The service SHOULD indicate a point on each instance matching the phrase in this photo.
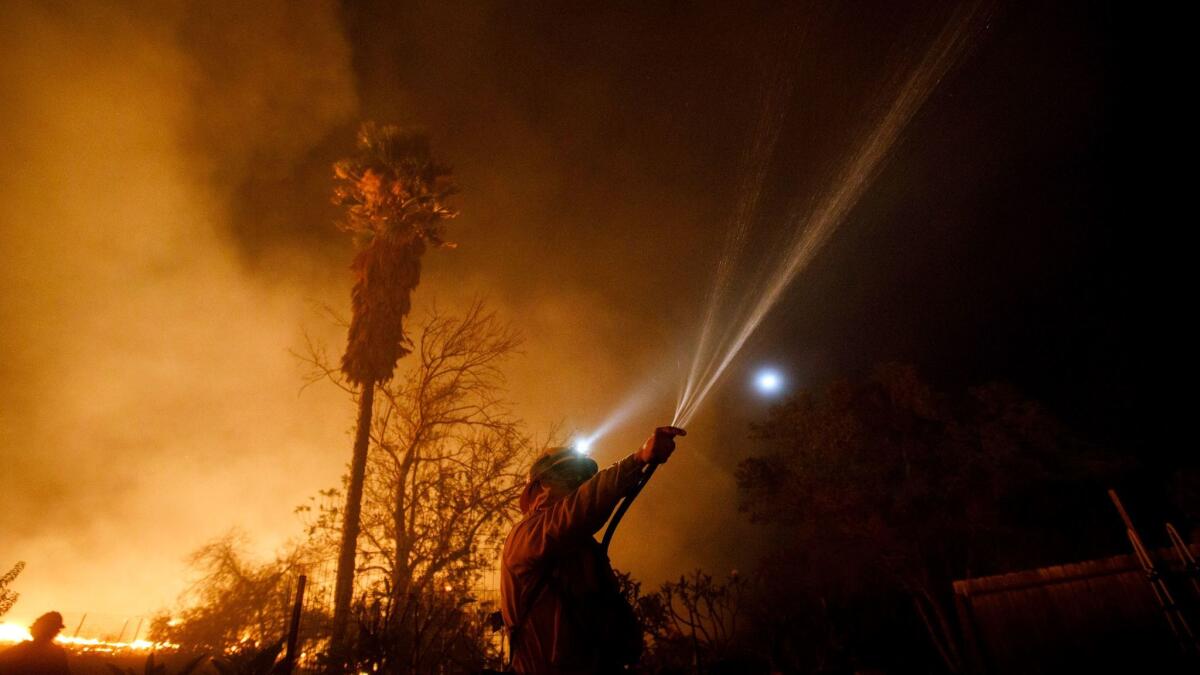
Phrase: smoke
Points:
(155, 269)
(147, 398)
(165, 228)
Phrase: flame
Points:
(12, 633)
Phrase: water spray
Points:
(755, 162)
(813, 228)
(723, 334)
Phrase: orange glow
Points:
(12, 633)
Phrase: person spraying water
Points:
(559, 595)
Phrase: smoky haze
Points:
(148, 399)
(166, 236)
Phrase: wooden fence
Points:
(1096, 616)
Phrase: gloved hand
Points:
(658, 448)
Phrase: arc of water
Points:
(756, 161)
(813, 231)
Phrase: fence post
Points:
(1162, 593)
(289, 658)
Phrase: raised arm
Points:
(583, 512)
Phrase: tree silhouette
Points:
(8, 597)
(447, 463)
(886, 486)
(696, 624)
(395, 196)
(237, 604)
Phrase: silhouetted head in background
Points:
(39, 656)
(46, 627)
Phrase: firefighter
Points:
(39, 656)
(559, 595)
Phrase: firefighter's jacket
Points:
(562, 633)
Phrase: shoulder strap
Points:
(527, 609)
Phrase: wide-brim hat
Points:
(50, 620)
(551, 460)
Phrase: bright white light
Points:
(768, 381)
(582, 445)
(11, 632)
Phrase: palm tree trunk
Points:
(344, 588)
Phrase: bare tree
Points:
(704, 613)
(237, 604)
(886, 486)
(447, 462)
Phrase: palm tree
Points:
(9, 597)
(395, 196)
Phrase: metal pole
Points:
(1171, 611)
(1185, 557)
(1175, 620)
(1112, 494)
(289, 659)
(81, 620)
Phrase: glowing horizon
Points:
(14, 633)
